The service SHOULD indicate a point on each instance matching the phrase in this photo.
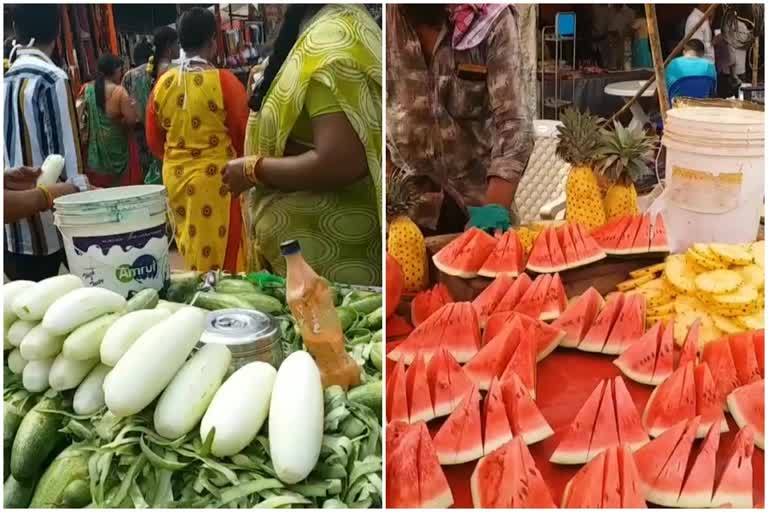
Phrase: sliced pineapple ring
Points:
(708, 261)
(754, 321)
(719, 281)
(753, 275)
(757, 249)
(679, 273)
(726, 324)
(732, 254)
(743, 296)
(634, 283)
(651, 270)
(662, 309)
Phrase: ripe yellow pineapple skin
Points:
(405, 243)
(583, 202)
(620, 200)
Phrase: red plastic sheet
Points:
(564, 381)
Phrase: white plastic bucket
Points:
(714, 175)
(117, 238)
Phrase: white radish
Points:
(126, 330)
(149, 365)
(79, 307)
(35, 375)
(32, 303)
(10, 292)
(40, 344)
(18, 330)
(51, 170)
(16, 363)
(296, 418)
(89, 396)
(185, 400)
(68, 374)
(85, 341)
(239, 408)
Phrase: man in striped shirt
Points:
(39, 120)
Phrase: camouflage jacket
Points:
(455, 133)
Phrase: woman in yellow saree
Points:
(314, 140)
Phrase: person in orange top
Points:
(195, 122)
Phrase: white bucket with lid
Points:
(714, 175)
(117, 238)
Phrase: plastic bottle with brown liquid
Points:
(311, 303)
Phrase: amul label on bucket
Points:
(122, 262)
(705, 192)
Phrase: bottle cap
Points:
(290, 247)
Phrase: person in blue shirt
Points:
(692, 63)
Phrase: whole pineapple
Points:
(405, 242)
(624, 156)
(579, 141)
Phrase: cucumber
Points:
(80, 307)
(213, 301)
(262, 302)
(65, 483)
(374, 318)
(183, 287)
(12, 417)
(347, 317)
(37, 437)
(145, 299)
(354, 296)
(40, 344)
(85, 341)
(377, 337)
(376, 355)
(18, 330)
(368, 395)
(16, 363)
(17, 494)
(35, 375)
(68, 374)
(235, 286)
(89, 396)
(366, 305)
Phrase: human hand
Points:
(234, 177)
(62, 189)
(21, 178)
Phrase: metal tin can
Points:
(250, 335)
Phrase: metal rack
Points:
(564, 30)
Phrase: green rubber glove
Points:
(489, 218)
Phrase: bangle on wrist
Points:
(250, 168)
(47, 195)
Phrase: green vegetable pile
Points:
(58, 459)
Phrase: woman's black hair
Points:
(36, 21)
(196, 27)
(141, 52)
(164, 38)
(106, 65)
(286, 38)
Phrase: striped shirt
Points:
(39, 120)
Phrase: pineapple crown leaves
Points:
(624, 153)
(579, 136)
(401, 196)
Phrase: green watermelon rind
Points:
(740, 410)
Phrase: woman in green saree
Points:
(314, 137)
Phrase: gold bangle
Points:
(47, 195)
(249, 169)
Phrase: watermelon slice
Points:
(452, 251)
(496, 429)
(758, 339)
(626, 241)
(743, 350)
(394, 289)
(532, 491)
(547, 337)
(629, 326)
(605, 433)
(659, 235)
(532, 302)
(427, 337)
(628, 423)
(425, 303)
(568, 246)
(747, 406)
(672, 401)
(524, 417)
(489, 298)
(707, 405)
(417, 391)
(555, 251)
(460, 438)
(397, 327)
(734, 486)
(691, 351)
(591, 251)
(434, 491)
(666, 487)
(514, 294)
(397, 396)
(555, 300)
(523, 362)
(540, 260)
(585, 489)
(403, 477)
(574, 443)
(462, 333)
(445, 394)
(508, 257)
(651, 458)
(466, 261)
(611, 479)
(717, 355)
(643, 236)
(609, 235)
(494, 356)
(597, 335)
(577, 318)
(631, 492)
(666, 353)
(700, 478)
(639, 360)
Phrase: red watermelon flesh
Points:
(638, 361)
(743, 350)
(494, 356)
(460, 383)
(628, 423)
(397, 396)
(578, 244)
(489, 298)
(758, 339)
(609, 235)
(605, 434)
(460, 438)
(452, 251)
(700, 477)
(584, 490)
(626, 241)
(394, 284)
(468, 259)
(574, 443)
(747, 406)
(666, 488)
(440, 383)
(488, 483)
(691, 352)
(496, 429)
(666, 354)
(673, 400)
(707, 405)
(651, 458)
(631, 493)
(425, 337)
(643, 237)
(532, 491)
(597, 335)
(568, 246)
(659, 235)
(717, 355)
(397, 327)
(403, 477)
(611, 479)
(532, 302)
(555, 251)
(524, 417)
(462, 332)
(593, 252)
(629, 325)
(434, 490)
(508, 257)
(425, 303)
(555, 300)
(578, 317)
(735, 483)
(417, 391)
(523, 361)
(547, 337)
(539, 260)
(514, 294)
